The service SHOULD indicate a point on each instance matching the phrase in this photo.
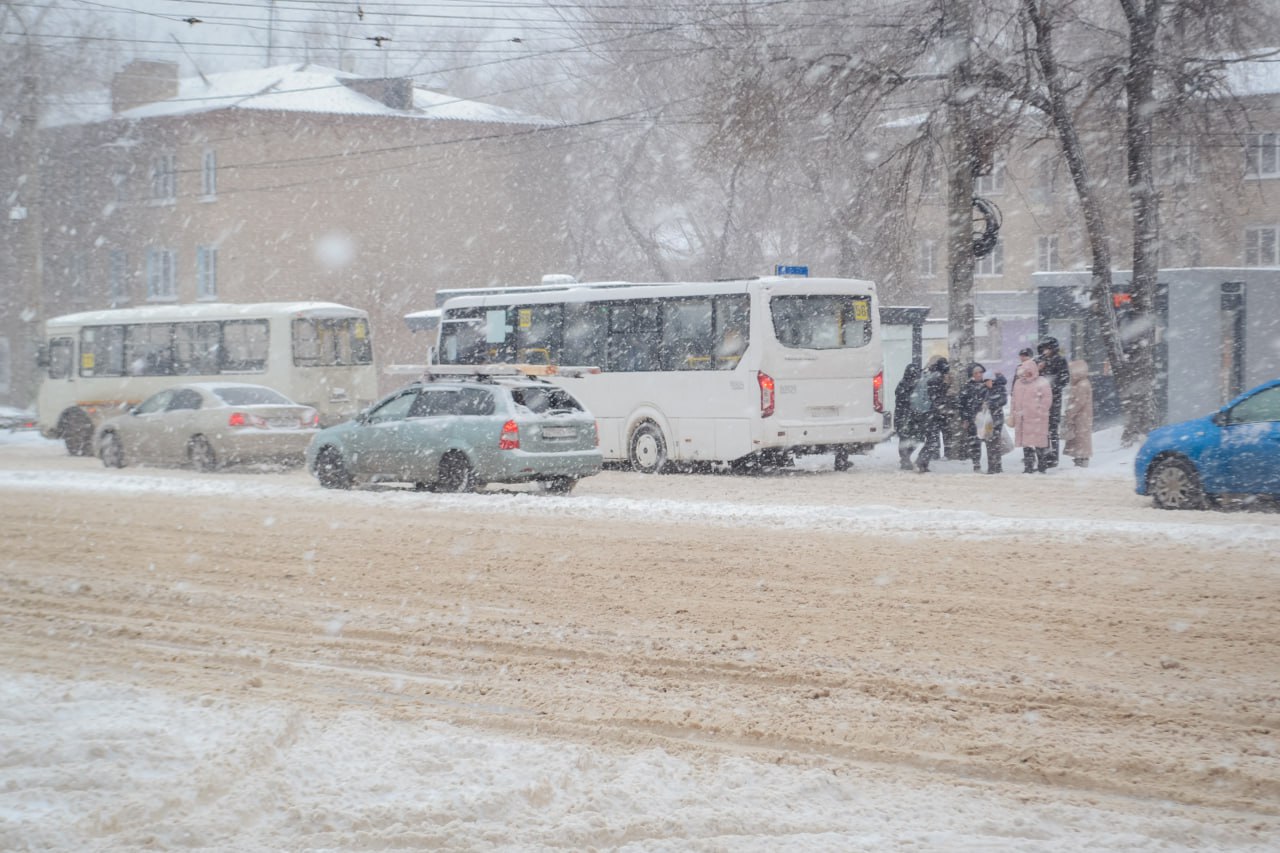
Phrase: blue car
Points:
(1235, 451)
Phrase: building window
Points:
(164, 185)
(118, 277)
(1177, 163)
(928, 258)
(162, 267)
(992, 264)
(991, 183)
(1047, 259)
(1045, 179)
(1260, 247)
(206, 272)
(1262, 155)
(209, 175)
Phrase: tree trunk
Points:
(1129, 373)
(1138, 382)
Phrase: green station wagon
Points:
(458, 433)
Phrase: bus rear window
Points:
(822, 321)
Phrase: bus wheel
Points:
(648, 449)
(330, 471)
(111, 451)
(842, 458)
(201, 454)
(77, 433)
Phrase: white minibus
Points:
(99, 363)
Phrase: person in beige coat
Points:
(1078, 418)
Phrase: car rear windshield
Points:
(545, 400)
(242, 396)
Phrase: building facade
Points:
(289, 183)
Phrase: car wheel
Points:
(648, 449)
(111, 451)
(1174, 484)
(842, 458)
(77, 433)
(455, 474)
(330, 471)
(201, 454)
(559, 485)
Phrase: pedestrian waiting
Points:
(1031, 401)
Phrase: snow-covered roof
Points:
(301, 87)
(189, 311)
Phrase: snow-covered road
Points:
(869, 660)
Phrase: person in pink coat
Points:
(1029, 406)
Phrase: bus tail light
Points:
(877, 391)
(766, 393)
(510, 438)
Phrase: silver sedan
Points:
(208, 425)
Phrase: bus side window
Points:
(61, 351)
(586, 328)
(148, 349)
(687, 336)
(635, 335)
(538, 330)
(244, 346)
(102, 351)
(732, 329)
(195, 348)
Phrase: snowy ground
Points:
(224, 669)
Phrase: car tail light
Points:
(312, 420)
(240, 419)
(877, 391)
(510, 438)
(766, 393)
(596, 424)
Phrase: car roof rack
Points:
(488, 372)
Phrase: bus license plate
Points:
(824, 411)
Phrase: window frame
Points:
(1259, 147)
(162, 275)
(1253, 247)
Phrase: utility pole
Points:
(271, 32)
(964, 165)
(26, 215)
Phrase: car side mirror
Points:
(1220, 418)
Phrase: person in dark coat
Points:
(1053, 367)
(997, 397)
(973, 399)
(906, 422)
(935, 420)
